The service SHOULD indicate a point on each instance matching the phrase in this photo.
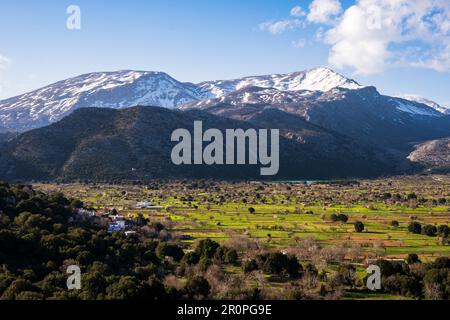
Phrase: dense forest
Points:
(39, 240)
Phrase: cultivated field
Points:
(285, 214)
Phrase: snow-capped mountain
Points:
(319, 79)
(363, 114)
(125, 89)
(255, 96)
(116, 90)
(422, 100)
(294, 101)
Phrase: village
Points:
(113, 221)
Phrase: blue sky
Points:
(196, 40)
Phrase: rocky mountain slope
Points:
(134, 144)
(116, 90)
(434, 155)
(432, 104)
(362, 114)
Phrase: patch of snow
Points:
(416, 109)
(422, 100)
(319, 79)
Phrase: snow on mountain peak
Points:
(318, 79)
(422, 100)
(127, 88)
(117, 90)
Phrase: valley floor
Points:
(285, 215)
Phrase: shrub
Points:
(443, 231)
(334, 217)
(429, 230)
(359, 226)
(198, 288)
(278, 263)
(231, 257)
(415, 227)
(250, 266)
(207, 248)
(169, 250)
(191, 258)
(395, 224)
(413, 258)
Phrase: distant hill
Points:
(434, 155)
(134, 144)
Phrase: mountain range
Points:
(331, 126)
(125, 89)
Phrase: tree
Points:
(126, 288)
(429, 230)
(293, 267)
(343, 218)
(415, 227)
(197, 288)
(346, 276)
(231, 257)
(395, 224)
(29, 295)
(359, 226)
(17, 286)
(94, 283)
(274, 263)
(250, 266)
(252, 210)
(413, 258)
(435, 284)
(403, 285)
(412, 196)
(153, 289)
(207, 248)
(443, 231)
(278, 263)
(77, 204)
(387, 268)
(191, 258)
(169, 250)
(442, 263)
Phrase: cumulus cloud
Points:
(295, 21)
(277, 27)
(324, 11)
(298, 12)
(373, 35)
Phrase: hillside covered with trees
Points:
(39, 240)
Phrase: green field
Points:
(285, 214)
(297, 219)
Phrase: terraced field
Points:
(283, 214)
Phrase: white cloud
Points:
(277, 27)
(298, 12)
(374, 35)
(4, 62)
(323, 11)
